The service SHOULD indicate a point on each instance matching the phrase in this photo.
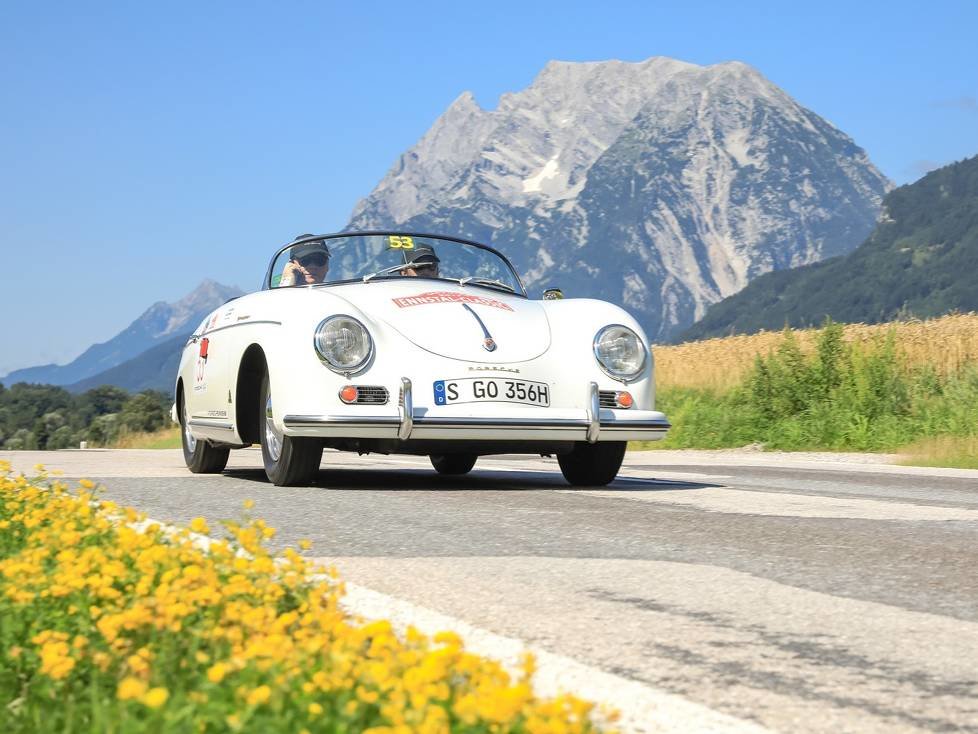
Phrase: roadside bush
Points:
(22, 440)
(99, 416)
(843, 396)
(62, 438)
(104, 429)
(143, 413)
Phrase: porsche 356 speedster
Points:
(402, 343)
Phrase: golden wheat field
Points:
(947, 344)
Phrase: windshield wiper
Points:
(487, 281)
(388, 271)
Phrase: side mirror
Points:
(553, 294)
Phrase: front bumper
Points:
(593, 424)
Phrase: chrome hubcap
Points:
(188, 436)
(273, 440)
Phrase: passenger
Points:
(308, 263)
(424, 262)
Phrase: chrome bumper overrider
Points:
(597, 424)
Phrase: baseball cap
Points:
(309, 247)
(424, 254)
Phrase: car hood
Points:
(452, 320)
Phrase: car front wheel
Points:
(592, 464)
(289, 461)
(453, 464)
(200, 456)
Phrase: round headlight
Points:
(343, 343)
(619, 351)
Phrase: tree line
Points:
(49, 417)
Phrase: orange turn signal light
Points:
(349, 394)
(624, 399)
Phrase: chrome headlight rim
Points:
(624, 378)
(339, 369)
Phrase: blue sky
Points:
(146, 146)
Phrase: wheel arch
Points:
(247, 410)
(178, 400)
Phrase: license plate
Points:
(491, 390)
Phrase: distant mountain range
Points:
(661, 186)
(145, 341)
(921, 260)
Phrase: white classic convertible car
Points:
(403, 343)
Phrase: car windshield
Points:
(376, 257)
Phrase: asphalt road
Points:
(808, 593)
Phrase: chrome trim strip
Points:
(232, 326)
(406, 409)
(199, 423)
(298, 421)
(639, 425)
(488, 343)
(593, 413)
(572, 423)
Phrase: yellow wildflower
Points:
(315, 709)
(137, 664)
(259, 696)
(55, 661)
(216, 673)
(155, 697)
(130, 688)
(199, 525)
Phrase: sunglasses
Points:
(317, 260)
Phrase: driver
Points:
(308, 263)
(424, 263)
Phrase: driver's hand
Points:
(294, 274)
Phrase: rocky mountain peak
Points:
(695, 179)
(204, 298)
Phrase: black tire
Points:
(289, 461)
(453, 464)
(592, 464)
(200, 456)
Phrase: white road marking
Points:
(643, 709)
(745, 502)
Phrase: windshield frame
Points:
(267, 284)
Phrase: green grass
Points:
(165, 438)
(947, 451)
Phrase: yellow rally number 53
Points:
(401, 243)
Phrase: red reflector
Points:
(349, 394)
(624, 399)
(204, 343)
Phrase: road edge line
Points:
(643, 709)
